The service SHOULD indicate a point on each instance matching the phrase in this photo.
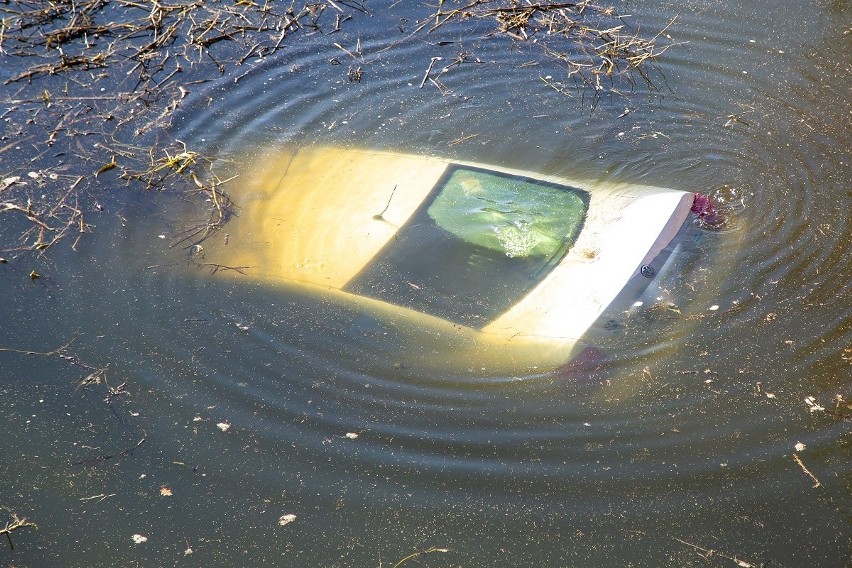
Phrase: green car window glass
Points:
(515, 216)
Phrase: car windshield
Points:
(478, 244)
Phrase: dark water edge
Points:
(678, 440)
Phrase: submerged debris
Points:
(593, 42)
(13, 523)
(119, 70)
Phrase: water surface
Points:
(256, 401)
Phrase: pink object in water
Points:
(585, 367)
(701, 205)
(705, 209)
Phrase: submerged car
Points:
(494, 256)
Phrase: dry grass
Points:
(593, 42)
(116, 71)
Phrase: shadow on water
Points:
(234, 422)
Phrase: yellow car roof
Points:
(350, 222)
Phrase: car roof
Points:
(353, 222)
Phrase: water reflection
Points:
(688, 433)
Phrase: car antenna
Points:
(381, 216)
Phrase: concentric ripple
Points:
(725, 128)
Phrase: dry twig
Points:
(798, 460)
(709, 553)
(13, 523)
(419, 553)
(591, 40)
(67, 57)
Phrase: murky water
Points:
(257, 401)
